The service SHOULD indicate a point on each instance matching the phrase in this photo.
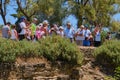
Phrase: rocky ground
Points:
(41, 69)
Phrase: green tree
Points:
(28, 8)
(94, 11)
(88, 11)
(115, 26)
(51, 10)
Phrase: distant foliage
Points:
(109, 53)
(52, 48)
(103, 36)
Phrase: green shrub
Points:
(53, 48)
(28, 49)
(108, 54)
(109, 78)
(8, 50)
(57, 48)
(117, 73)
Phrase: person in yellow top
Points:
(33, 28)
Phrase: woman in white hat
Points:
(45, 27)
(61, 31)
(80, 35)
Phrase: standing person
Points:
(14, 34)
(39, 33)
(53, 30)
(56, 28)
(28, 31)
(69, 32)
(61, 31)
(87, 31)
(108, 37)
(23, 29)
(45, 28)
(97, 33)
(6, 30)
(33, 28)
(28, 34)
(80, 35)
(91, 39)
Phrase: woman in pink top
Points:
(39, 33)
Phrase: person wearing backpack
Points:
(23, 27)
(18, 28)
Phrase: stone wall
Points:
(41, 69)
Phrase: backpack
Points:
(18, 27)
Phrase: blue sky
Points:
(117, 17)
(10, 10)
(72, 19)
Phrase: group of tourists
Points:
(33, 32)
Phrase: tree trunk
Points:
(80, 20)
(21, 9)
(3, 14)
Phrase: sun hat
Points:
(61, 27)
(82, 26)
(45, 22)
(68, 23)
(40, 24)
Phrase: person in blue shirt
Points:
(69, 32)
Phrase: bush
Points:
(53, 48)
(109, 78)
(57, 48)
(8, 50)
(28, 49)
(108, 54)
(117, 73)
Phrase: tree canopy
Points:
(86, 11)
(94, 11)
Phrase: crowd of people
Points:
(33, 32)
